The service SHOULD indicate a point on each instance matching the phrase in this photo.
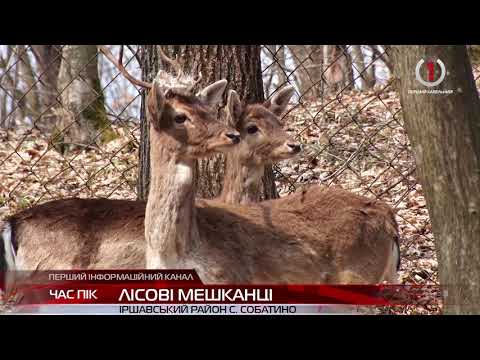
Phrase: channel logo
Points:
(433, 78)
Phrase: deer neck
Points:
(242, 181)
(170, 226)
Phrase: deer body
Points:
(279, 241)
(72, 233)
(316, 236)
(81, 234)
(320, 235)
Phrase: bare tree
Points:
(383, 55)
(6, 83)
(29, 101)
(369, 70)
(338, 70)
(445, 134)
(83, 109)
(308, 60)
(241, 66)
(316, 68)
(359, 65)
(13, 105)
(48, 62)
(29, 79)
(276, 67)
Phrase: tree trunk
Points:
(348, 80)
(338, 72)
(300, 59)
(327, 69)
(240, 65)
(281, 66)
(382, 55)
(444, 130)
(359, 64)
(474, 54)
(83, 116)
(11, 92)
(276, 55)
(30, 100)
(308, 60)
(11, 79)
(316, 69)
(48, 60)
(370, 79)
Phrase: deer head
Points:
(184, 122)
(187, 123)
(261, 129)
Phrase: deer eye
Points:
(169, 94)
(252, 129)
(180, 118)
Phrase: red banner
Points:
(185, 287)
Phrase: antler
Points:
(174, 63)
(192, 87)
(118, 64)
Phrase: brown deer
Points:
(317, 236)
(65, 234)
(264, 141)
(269, 142)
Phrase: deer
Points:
(316, 236)
(246, 163)
(302, 238)
(275, 144)
(264, 141)
(29, 239)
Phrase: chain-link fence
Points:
(69, 126)
(348, 115)
(47, 151)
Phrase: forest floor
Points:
(355, 140)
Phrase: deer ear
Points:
(213, 93)
(155, 104)
(234, 108)
(279, 102)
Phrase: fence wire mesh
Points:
(45, 152)
(69, 126)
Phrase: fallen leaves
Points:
(31, 171)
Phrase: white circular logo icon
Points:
(431, 73)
